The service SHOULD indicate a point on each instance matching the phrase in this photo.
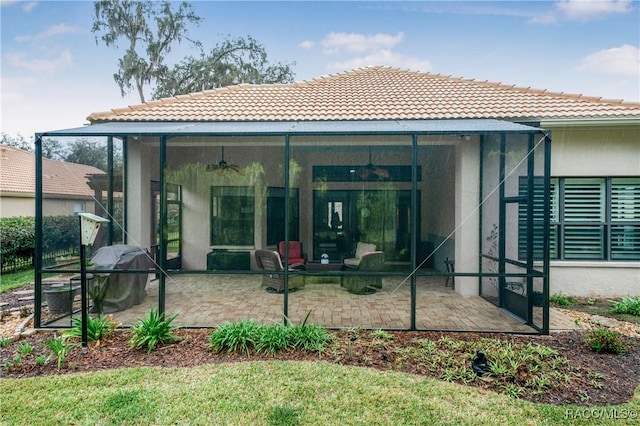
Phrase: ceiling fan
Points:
(369, 170)
(223, 167)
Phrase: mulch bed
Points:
(619, 374)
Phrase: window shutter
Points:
(584, 217)
(625, 219)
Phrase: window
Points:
(591, 219)
(78, 207)
(232, 216)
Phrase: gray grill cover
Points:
(123, 290)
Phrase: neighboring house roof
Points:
(17, 175)
(375, 93)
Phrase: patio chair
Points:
(296, 254)
(361, 249)
(273, 280)
(451, 269)
(365, 284)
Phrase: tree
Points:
(234, 61)
(53, 149)
(83, 151)
(151, 28)
(16, 141)
(92, 153)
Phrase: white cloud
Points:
(49, 32)
(584, 10)
(382, 57)
(28, 6)
(19, 60)
(581, 10)
(307, 44)
(359, 43)
(623, 60)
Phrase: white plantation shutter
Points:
(625, 218)
(584, 217)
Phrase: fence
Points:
(19, 263)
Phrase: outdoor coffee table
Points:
(318, 269)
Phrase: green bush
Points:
(628, 305)
(562, 300)
(239, 336)
(17, 237)
(60, 348)
(153, 330)
(247, 336)
(603, 340)
(97, 328)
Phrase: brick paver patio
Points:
(209, 300)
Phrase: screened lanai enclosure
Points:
(416, 225)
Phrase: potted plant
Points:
(60, 298)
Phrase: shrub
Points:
(628, 305)
(235, 336)
(603, 340)
(310, 337)
(59, 348)
(153, 330)
(97, 327)
(272, 339)
(25, 348)
(247, 336)
(562, 300)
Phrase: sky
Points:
(54, 74)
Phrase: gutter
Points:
(589, 122)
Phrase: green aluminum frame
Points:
(125, 130)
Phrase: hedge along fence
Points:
(17, 240)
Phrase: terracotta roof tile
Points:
(375, 93)
(17, 174)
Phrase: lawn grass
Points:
(276, 392)
(15, 280)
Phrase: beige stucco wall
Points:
(25, 206)
(17, 206)
(466, 215)
(598, 152)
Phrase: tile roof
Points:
(17, 174)
(373, 93)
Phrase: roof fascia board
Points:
(292, 128)
(590, 122)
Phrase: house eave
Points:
(590, 122)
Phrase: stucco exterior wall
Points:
(597, 152)
(466, 215)
(17, 206)
(592, 279)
